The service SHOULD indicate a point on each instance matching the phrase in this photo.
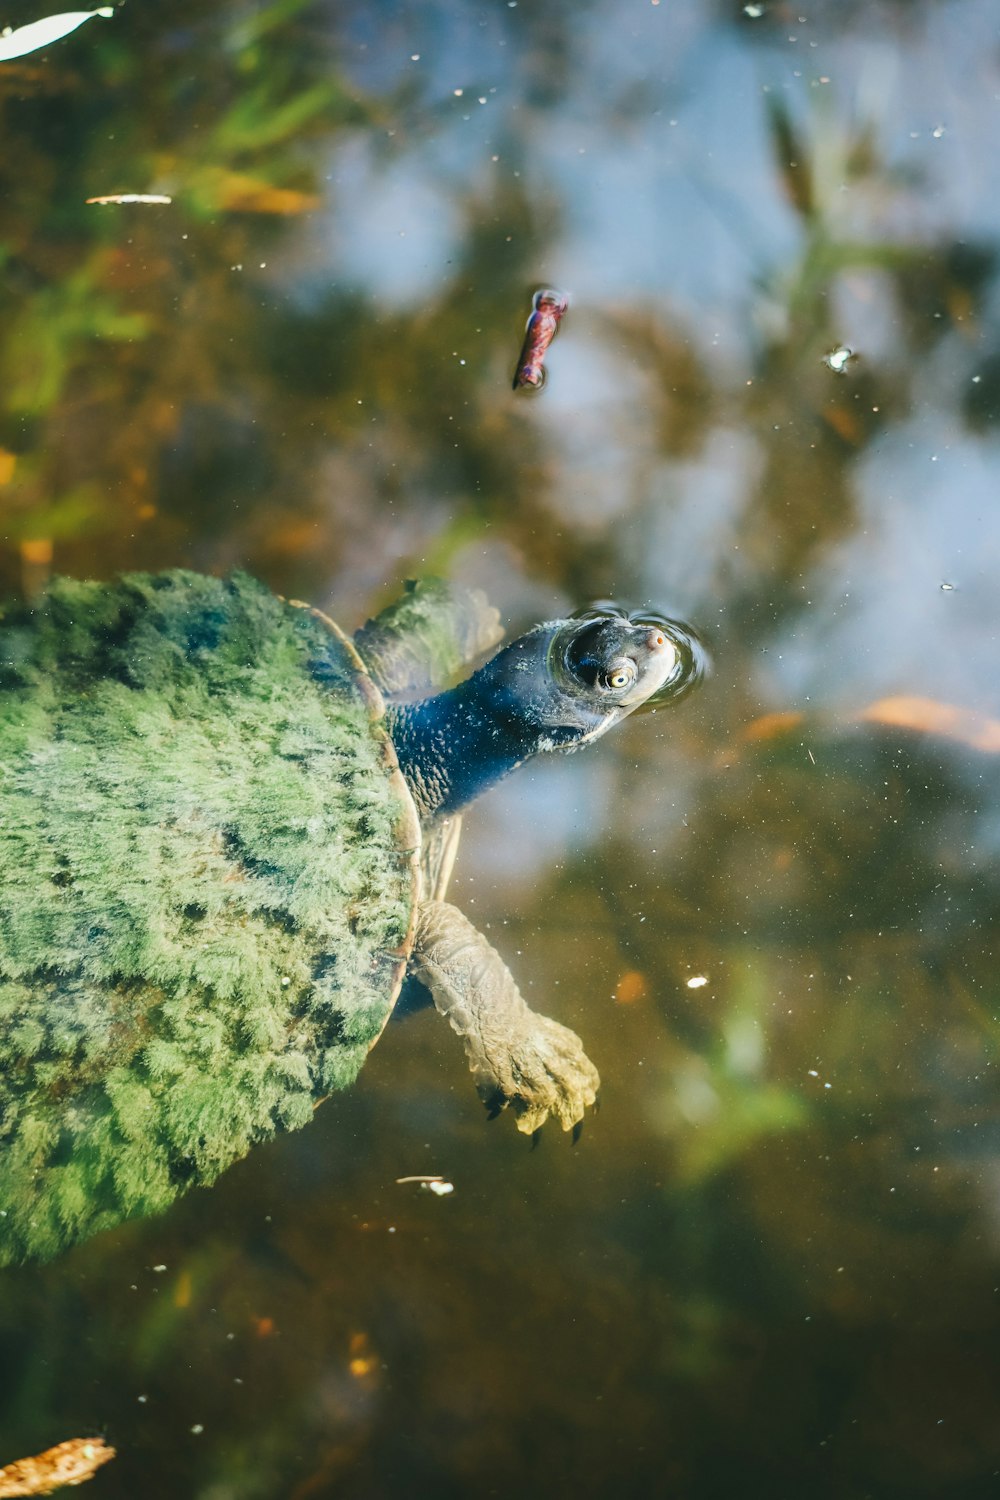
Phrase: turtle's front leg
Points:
(517, 1057)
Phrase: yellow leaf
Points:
(67, 1463)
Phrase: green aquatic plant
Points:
(54, 330)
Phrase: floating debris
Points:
(72, 1462)
(838, 359)
(132, 198)
(430, 1183)
(696, 981)
(548, 306)
(753, 11)
(40, 33)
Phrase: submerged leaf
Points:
(40, 33)
(238, 192)
(631, 987)
(770, 726)
(963, 724)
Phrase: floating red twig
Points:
(548, 307)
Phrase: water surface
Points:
(771, 1264)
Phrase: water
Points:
(770, 1266)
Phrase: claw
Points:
(495, 1102)
(577, 1132)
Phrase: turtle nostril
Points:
(656, 640)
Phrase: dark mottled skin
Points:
(453, 746)
(556, 688)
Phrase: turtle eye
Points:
(621, 675)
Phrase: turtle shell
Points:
(209, 866)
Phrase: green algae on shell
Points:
(209, 876)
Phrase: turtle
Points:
(226, 833)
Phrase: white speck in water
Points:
(158, 1269)
(946, 588)
(458, 93)
(838, 359)
(753, 11)
(937, 132)
(813, 1073)
(197, 1429)
(696, 982)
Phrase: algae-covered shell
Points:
(208, 878)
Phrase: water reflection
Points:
(741, 1276)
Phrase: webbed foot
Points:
(541, 1072)
(520, 1060)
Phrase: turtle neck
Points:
(455, 745)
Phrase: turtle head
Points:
(599, 666)
(610, 662)
(559, 687)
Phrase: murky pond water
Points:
(770, 1265)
